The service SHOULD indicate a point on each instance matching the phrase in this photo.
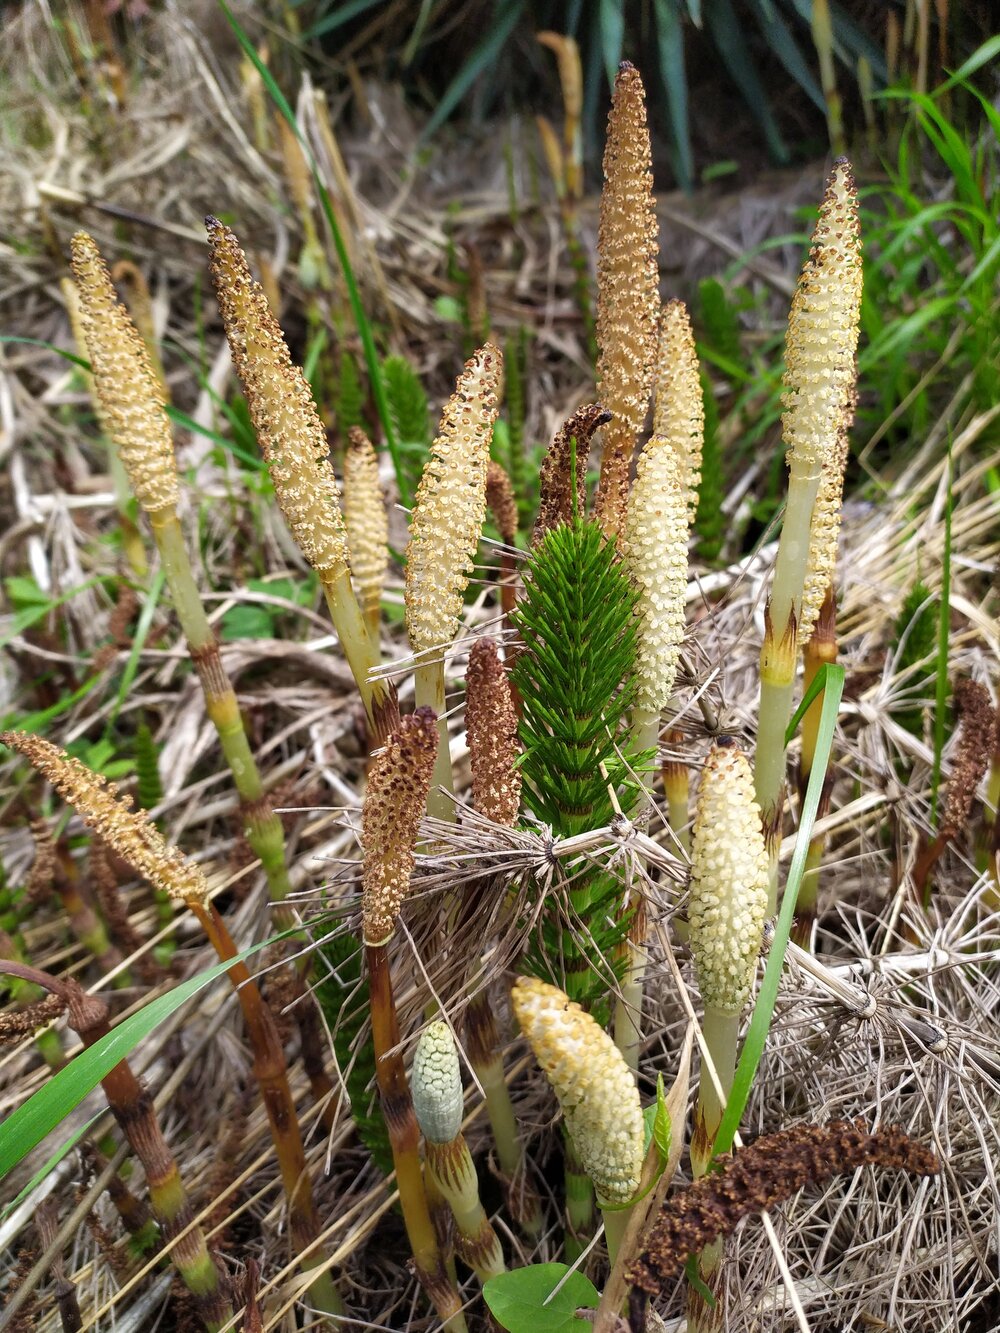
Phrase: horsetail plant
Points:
(367, 525)
(820, 376)
(491, 728)
(398, 784)
(729, 878)
(628, 304)
(438, 1103)
(594, 1087)
(134, 415)
(133, 837)
(445, 528)
(292, 439)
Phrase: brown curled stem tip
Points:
(563, 487)
(765, 1174)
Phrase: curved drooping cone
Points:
(592, 1083)
(820, 376)
(679, 411)
(131, 393)
(367, 524)
(628, 304)
(293, 441)
(445, 527)
(438, 1103)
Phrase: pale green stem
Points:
(778, 658)
(579, 1203)
(615, 1222)
(628, 1005)
(362, 653)
(263, 828)
(428, 686)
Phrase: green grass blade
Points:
(361, 321)
(484, 55)
(670, 42)
(611, 35)
(338, 18)
(786, 48)
(64, 1149)
(25, 1128)
(730, 42)
(760, 1023)
(944, 627)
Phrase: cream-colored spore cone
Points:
(396, 796)
(436, 1084)
(592, 1082)
(133, 408)
(450, 505)
(824, 531)
(679, 413)
(628, 303)
(366, 519)
(291, 435)
(130, 833)
(654, 550)
(729, 880)
(822, 338)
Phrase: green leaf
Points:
(448, 310)
(661, 1120)
(522, 1301)
(694, 1279)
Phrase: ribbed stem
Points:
(628, 1005)
(271, 1075)
(778, 657)
(482, 1047)
(362, 654)
(404, 1138)
(721, 1033)
(264, 832)
(450, 1166)
(429, 691)
(820, 650)
(579, 1203)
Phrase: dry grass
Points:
(898, 1019)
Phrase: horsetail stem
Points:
(628, 304)
(438, 1103)
(398, 783)
(820, 375)
(819, 650)
(445, 528)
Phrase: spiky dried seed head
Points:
(501, 502)
(291, 435)
(127, 832)
(822, 338)
(654, 549)
(977, 741)
(562, 481)
(436, 1084)
(366, 519)
(398, 782)
(450, 505)
(133, 407)
(592, 1082)
(628, 302)
(729, 880)
(824, 531)
(491, 729)
(679, 413)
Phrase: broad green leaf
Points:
(522, 1301)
